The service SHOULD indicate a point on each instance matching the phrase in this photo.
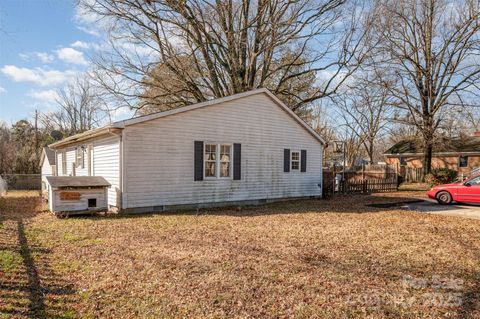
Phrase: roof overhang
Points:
(77, 181)
(434, 154)
(110, 129)
(42, 158)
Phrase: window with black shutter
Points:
(303, 161)
(237, 161)
(286, 160)
(198, 160)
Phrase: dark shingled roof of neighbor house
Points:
(77, 181)
(466, 144)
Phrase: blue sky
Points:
(43, 44)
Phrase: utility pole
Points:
(36, 139)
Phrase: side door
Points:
(469, 192)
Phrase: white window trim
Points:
(218, 161)
(299, 160)
(205, 160)
(64, 162)
(80, 160)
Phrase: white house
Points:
(48, 165)
(244, 148)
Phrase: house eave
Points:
(74, 139)
(434, 154)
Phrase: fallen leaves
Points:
(299, 259)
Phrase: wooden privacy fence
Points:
(369, 185)
(362, 179)
(23, 181)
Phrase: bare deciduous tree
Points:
(181, 52)
(431, 50)
(80, 108)
(365, 109)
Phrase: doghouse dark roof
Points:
(77, 181)
(466, 144)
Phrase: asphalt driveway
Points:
(432, 207)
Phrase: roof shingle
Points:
(77, 181)
(465, 144)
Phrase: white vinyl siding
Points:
(58, 205)
(159, 155)
(105, 161)
(46, 171)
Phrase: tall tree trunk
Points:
(428, 137)
(427, 159)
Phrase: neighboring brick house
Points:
(461, 154)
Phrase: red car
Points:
(464, 192)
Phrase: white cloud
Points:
(48, 96)
(71, 55)
(86, 20)
(24, 56)
(80, 45)
(89, 30)
(2, 90)
(42, 56)
(38, 76)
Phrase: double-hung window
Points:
(463, 161)
(225, 158)
(218, 159)
(295, 160)
(79, 158)
(210, 160)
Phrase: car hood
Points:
(448, 185)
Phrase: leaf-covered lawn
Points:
(302, 259)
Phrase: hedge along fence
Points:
(23, 181)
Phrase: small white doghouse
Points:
(70, 195)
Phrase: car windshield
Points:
(474, 181)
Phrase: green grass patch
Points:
(9, 260)
(73, 237)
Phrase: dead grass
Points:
(406, 186)
(299, 259)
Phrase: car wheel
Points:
(444, 198)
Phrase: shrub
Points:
(441, 176)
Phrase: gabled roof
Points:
(466, 144)
(145, 118)
(49, 155)
(77, 181)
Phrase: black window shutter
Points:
(286, 160)
(237, 161)
(198, 158)
(303, 159)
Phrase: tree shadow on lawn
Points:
(30, 287)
